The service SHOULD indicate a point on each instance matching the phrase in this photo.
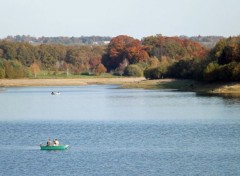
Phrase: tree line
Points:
(83, 40)
(154, 57)
(207, 41)
(30, 59)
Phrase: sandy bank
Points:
(65, 82)
(182, 85)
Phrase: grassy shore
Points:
(187, 85)
(127, 82)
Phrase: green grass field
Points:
(63, 75)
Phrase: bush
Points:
(142, 65)
(236, 72)
(2, 70)
(226, 72)
(211, 72)
(2, 73)
(14, 69)
(133, 70)
(86, 74)
(154, 73)
(100, 69)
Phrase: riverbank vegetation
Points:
(189, 85)
(154, 57)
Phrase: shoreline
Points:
(131, 82)
(65, 82)
(185, 85)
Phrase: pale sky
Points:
(136, 18)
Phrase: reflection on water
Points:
(108, 102)
(228, 99)
(114, 131)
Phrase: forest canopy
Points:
(154, 57)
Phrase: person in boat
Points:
(49, 142)
(56, 142)
(55, 93)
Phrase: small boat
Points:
(52, 147)
(55, 93)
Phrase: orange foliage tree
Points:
(100, 69)
(123, 48)
(173, 47)
(34, 68)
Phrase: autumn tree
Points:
(225, 59)
(154, 62)
(123, 48)
(46, 58)
(84, 58)
(227, 50)
(8, 50)
(26, 53)
(34, 68)
(174, 48)
(100, 69)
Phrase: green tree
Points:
(47, 60)
(154, 73)
(133, 70)
(226, 51)
(14, 69)
(2, 70)
(9, 50)
(26, 54)
(211, 72)
(236, 72)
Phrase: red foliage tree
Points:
(100, 69)
(94, 61)
(124, 47)
(173, 47)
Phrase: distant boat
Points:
(52, 147)
(55, 93)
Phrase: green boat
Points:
(51, 147)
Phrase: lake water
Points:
(114, 131)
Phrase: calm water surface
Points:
(114, 131)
